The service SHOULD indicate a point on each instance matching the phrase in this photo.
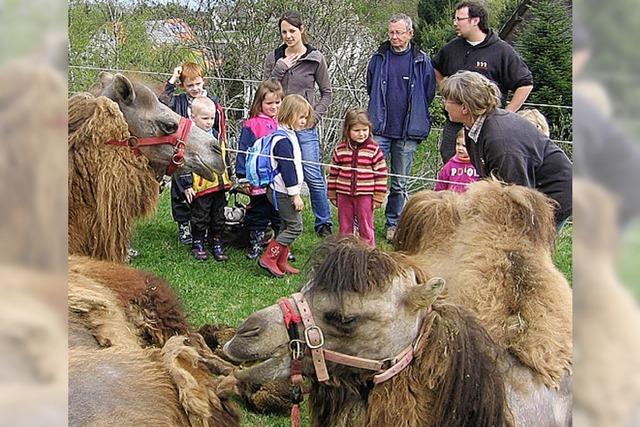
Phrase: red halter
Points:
(178, 140)
(300, 313)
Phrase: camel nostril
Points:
(248, 332)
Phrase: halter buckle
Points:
(308, 339)
(133, 141)
(297, 349)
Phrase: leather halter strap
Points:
(178, 140)
(314, 340)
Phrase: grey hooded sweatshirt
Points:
(311, 69)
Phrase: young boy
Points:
(189, 77)
(207, 198)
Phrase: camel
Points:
(110, 186)
(493, 246)
(607, 351)
(110, 338)
(371, 304)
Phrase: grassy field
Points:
(228, 292)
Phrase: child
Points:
(207, 198)
(458, 171)
(262, 121)
(537, 119)
(284, 191)
(357, 193)
(189, 77)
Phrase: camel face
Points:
(148, 117)
(370, 317)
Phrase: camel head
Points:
(148, 117)
(367, 303)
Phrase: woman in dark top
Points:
(504, 144)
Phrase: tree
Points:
(544, 41)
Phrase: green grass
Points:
(213, 292)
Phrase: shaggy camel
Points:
(374, 313)
(110, 187)
(152, 309)
(131, 386)
(607, 350)
(106, 334)
(493, 246)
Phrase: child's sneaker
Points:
(218, 251)
(184, 233)
(198, 252)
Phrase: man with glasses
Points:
(478, 48)
(401, 85)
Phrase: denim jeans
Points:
(401, 152)
(314, 177)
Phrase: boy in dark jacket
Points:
(189, 77)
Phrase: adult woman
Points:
(300, 67)
(503, 144)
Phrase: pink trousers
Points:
(358, 208)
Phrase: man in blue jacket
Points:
(401, 85)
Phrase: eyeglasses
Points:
(456, 19)
(396, 33)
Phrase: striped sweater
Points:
(367, 156)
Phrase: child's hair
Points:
(291, 107)
(202, 103)
(537, 119)
(265, 88)
(190, 70)
(460, 134)
(357, 116)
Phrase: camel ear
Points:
(123, 89)
(104, 79)
(423, 296)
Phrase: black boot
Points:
(217, 250)
(256, 243)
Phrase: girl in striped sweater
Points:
(358, 176)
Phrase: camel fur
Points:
(181, 361)
(146, 387)
(272, 397)
(109, 187)
(498, 241)
(432, 390)
(151, 306)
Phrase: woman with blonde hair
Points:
(504, 144)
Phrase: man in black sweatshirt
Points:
(478, 48)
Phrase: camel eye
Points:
(341, 322)
(168, 127)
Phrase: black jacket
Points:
(515, 151)
(493, 58)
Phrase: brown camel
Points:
(110, 187)
(371, 304)
(493, 246)
(118, 386)
(108, 334)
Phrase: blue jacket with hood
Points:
(422, 89)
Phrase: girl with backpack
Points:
(284, 190)
(263, 120)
